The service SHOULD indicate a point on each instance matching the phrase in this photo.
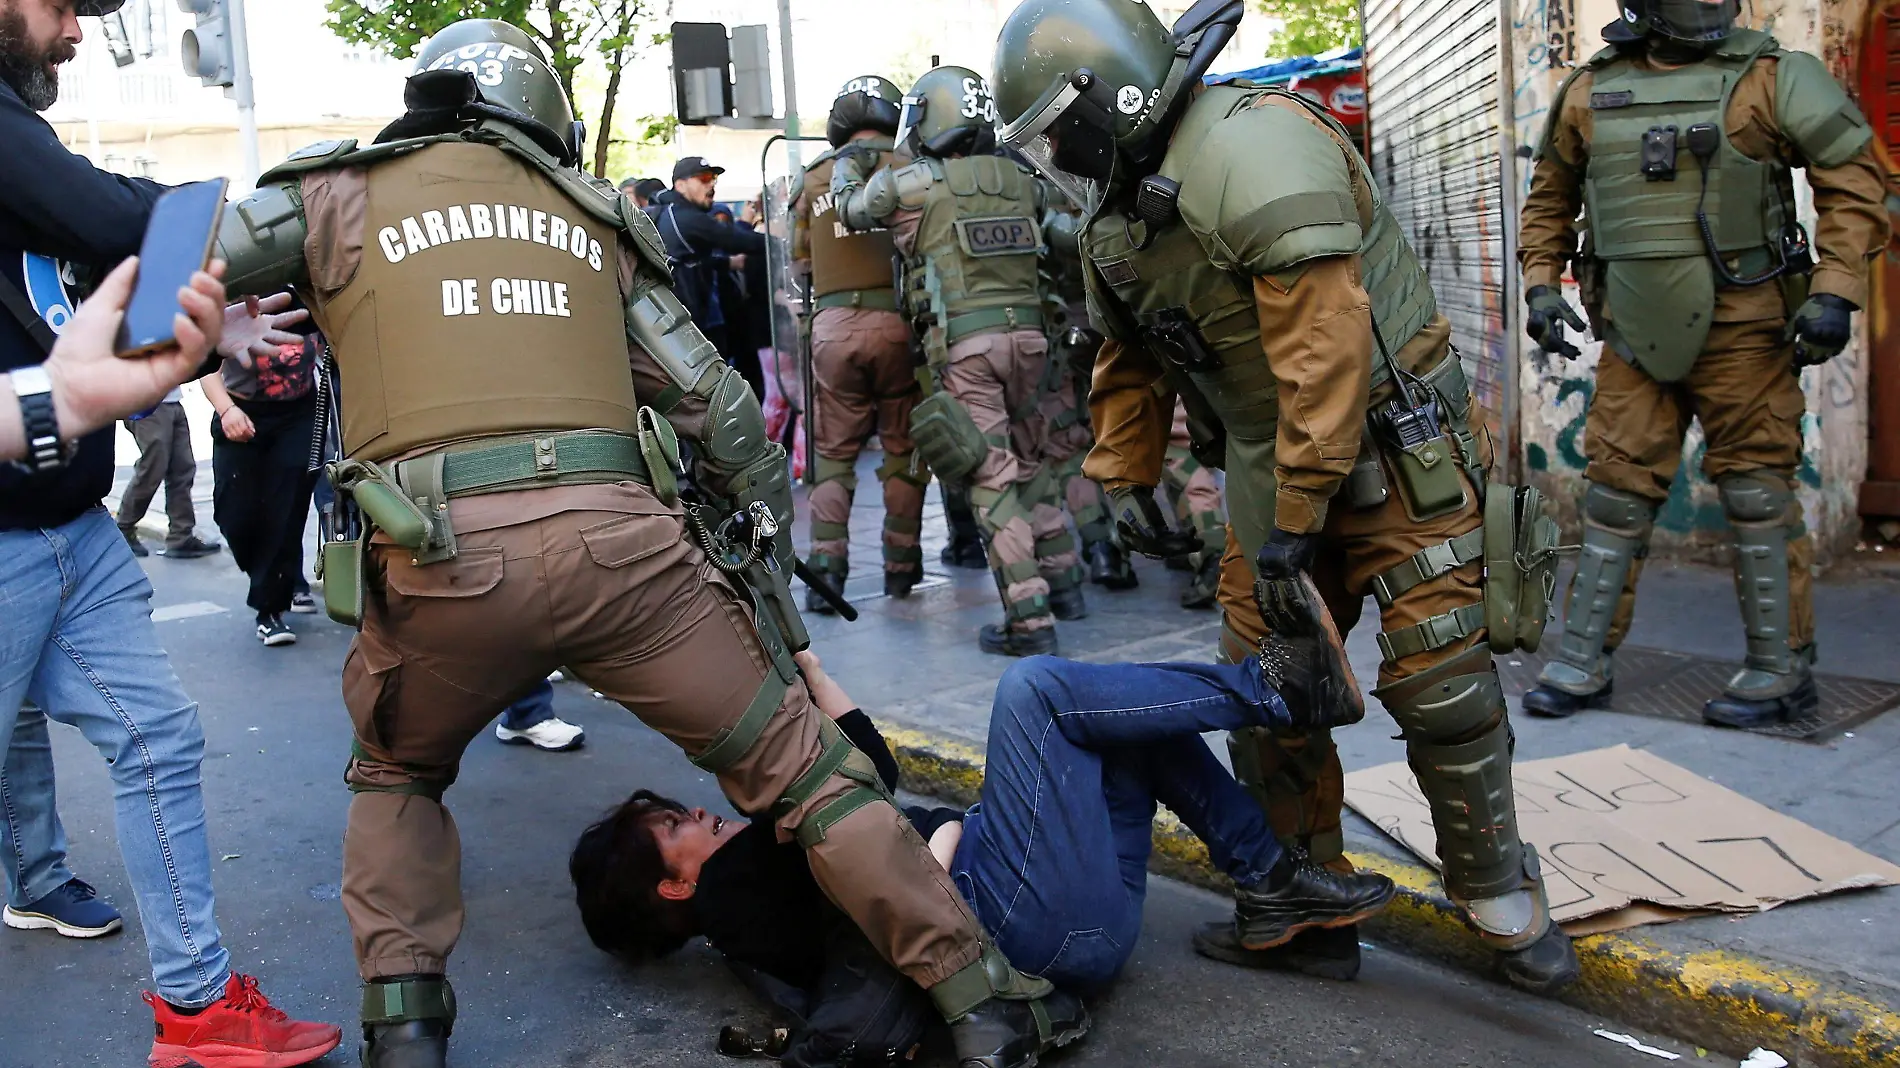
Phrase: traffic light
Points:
(206, 48)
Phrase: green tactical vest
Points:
(1173, 277)
(973, 268)
(1659, 283)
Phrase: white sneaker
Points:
(553, 735)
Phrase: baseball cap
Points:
(694, 165)
(97, 8)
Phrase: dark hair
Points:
(617, 868)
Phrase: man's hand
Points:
(1547, 311)
(1144, 527)
(253, 328)
(1821, 328)
(237, 425)
(825, 691)
(93, 387)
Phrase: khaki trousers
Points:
(602, 579)
(865, 384)
(997, 377)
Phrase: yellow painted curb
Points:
(1724, 1001)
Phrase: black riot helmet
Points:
(949, 112)
(866, 102)
(1088, 89)
(486, 68)
(1691, 22)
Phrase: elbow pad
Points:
(260, 239)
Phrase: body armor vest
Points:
(977, 247)
(1202, 318)
(1657, 269)
(487, 303)
(842, 261)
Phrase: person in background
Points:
(164, 439)
(698, 244)
(260, 459)
(531, 721)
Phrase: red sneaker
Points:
(240, 1031)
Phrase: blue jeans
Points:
(1054, 859)
(537, 707)
(78, 642)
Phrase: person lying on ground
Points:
(1079, 756)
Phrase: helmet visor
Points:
(911, 117)
(1694, 20)
(1069, 138)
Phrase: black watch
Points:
(44, 449)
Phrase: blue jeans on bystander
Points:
(1054, 859)
(79, 643)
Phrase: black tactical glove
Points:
(1144, 527)
(1285, 555)
(1545, 318)
(1820, 328)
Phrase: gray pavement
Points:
(534, 992)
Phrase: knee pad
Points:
(1618, 510)
(841, 471)
(1448, 704)
(1755, 497)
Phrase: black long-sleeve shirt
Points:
(58, 214)
(758, 904)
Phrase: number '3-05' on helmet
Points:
(949, 112)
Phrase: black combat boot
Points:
(998, 638)
(965, 547)
(1299, 894)
(411, 1044)
(1067, 603)
(1746, 714)
(1110, 567)
(1005, 1033)
(1551, 703)
(1543, 967)
(1321, 952)
(1203, 591)
(898, 584)
(830, 570)
(406, 1022)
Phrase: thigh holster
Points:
(839, 757)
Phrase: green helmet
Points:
(510, 79)
(949, 112)
(1686, 21)
(1081, 83)
(866, 102)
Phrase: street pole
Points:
(241, 91)
(791, 85)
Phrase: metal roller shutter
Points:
(1432, 70)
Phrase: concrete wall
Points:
(1551, 36)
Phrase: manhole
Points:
(1666, 685)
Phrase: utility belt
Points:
(408, 501)
(968, 324)
(873, 299)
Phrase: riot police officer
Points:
(1679, 141)
(970, 225)
(1241, 251)
(516, 374)
(863, 380)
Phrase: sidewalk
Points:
(1819, 978)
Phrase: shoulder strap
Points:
(22, 310)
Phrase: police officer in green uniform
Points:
(1678, 142)
(516, 375)
(969, 224)
(1239, 250)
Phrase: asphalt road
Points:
(533, 991)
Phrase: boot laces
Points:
(246, 997)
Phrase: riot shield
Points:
(788, 378)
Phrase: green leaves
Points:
(1311, 26)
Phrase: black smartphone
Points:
(178, 243)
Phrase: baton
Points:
(823, 589)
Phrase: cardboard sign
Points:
(1618, 827)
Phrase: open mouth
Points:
(718, 822)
